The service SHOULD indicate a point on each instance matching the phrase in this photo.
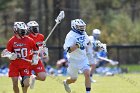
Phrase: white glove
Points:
(6, 53)
(13, 56)
(43, 51)
(97, 43)
(44, 43)
(103, 47)
(100, 45)
(35, 59)
(81, 45)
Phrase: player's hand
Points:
(98, 43)
(103, 47)
(44, 44)
(35, 59)
(44, 52)
(13, 56)
(81, 45)
(6, 53)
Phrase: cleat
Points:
(92, 80)
(67, 88)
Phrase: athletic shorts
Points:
(38, 68)
(75, 66)
(15, 70)
(91, 59)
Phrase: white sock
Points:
(87, 91)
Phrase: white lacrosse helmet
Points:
(20, 28)
(96, 31)
(33, 26)
(78, 24)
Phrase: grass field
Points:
(126, 83)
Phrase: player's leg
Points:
(25, 83)
(93, 66)
(87, 80)
(85, 68)
(73, 73)
(15, 84)
(25, 74)
(14, 74)
(40, 74)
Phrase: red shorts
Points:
(16, 70)
(38, 68)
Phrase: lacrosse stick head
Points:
(60, 17)
(5, 53)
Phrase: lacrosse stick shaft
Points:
(51, 32)
(57, 20)
(27, 60)
(108, 60)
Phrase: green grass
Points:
(126, 83)
(132, 68)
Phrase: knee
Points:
(42, 78)
(93, 65)
(87, 73)
(26, 84)
(73, 80)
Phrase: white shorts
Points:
(76, 65)
(91, 59)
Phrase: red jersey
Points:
(39, 42)
(22, 47)
(38, 39)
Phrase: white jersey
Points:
(71, 39)
(90, 50)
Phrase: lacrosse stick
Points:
(109, 60)
(57, 20)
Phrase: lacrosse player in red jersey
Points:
(18, 50)
(39, 69)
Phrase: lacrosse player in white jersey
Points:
(75, 44)
(94, 43)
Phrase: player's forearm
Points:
(72, 48)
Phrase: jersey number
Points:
(21, 52)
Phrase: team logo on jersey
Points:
(81, 40)
(18, 44)
(26, 71)
(15, 42)
(39, 68)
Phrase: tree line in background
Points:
(118, 20)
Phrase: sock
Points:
(88, 90)
(90, 75)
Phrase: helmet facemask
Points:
(22, 32)
(34, 29)
(81, 28)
